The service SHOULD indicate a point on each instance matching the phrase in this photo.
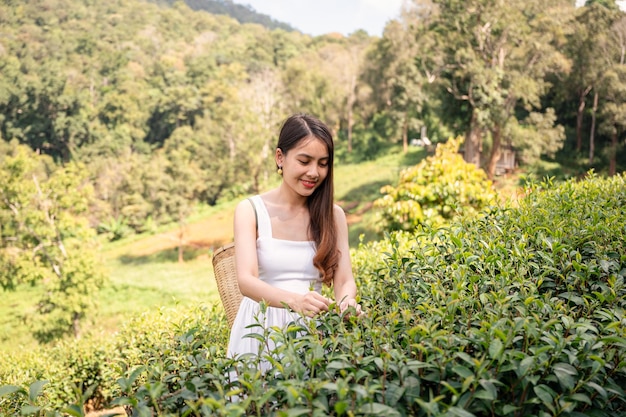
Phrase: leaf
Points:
(296, 412)
(525, 365)
(393, 393)
(600, 390)
(580, 397)
(462, 371)
(546, 395)
(74, 410)
(377, 409)
(34, 390)
(495, 348)
(508, 409)
(458, 412)
(9, 389)
(573, 297)
(614, 339)
(490, 388)
(29, 409)
(341, 407)
(566, 374)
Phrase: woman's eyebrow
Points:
(305, 155)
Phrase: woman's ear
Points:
(279, 157)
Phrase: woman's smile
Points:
(309, 184)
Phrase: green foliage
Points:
(46, 240)
(121, 88)
(87, 374)
(517, 312)
(114, 229)
(536, 136)
(438, 189)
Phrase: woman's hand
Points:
(350, 302)
(310, 304)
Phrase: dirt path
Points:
(209, 233)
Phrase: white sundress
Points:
(284, 264)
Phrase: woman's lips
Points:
(308, 184)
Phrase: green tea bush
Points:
(84, 375)
(517, 312)
(437, 190)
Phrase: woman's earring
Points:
(280, 170)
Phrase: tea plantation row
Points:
(519, 312)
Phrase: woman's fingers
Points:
(313, 303)
(351, 303)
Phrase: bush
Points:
(88, 374)
(435, 191)
(517, 312)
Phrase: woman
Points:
(292, 239)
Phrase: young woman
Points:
(292, 239)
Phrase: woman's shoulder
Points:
(249, 200)
(244, 206)
(338, 212)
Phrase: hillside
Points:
(241, 13)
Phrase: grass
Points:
(137, 287)
(144, 273)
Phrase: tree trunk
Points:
(472, 144)
(579, 120)
(405, 133)
(592, 134)
(613, 157)
(350, 124)
(496, 151)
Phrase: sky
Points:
(318, 17)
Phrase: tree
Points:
(264, 110)
(310, 88)
(613, 84)
(587, 47)
(344, 67)
(397, 79)
(183, 179)
(496, 58)
(45, 239)
(613, 88)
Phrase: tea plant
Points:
(517, 312)
(88, 374)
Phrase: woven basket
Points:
(226, 277)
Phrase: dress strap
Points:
(256, 215)
(263, 224)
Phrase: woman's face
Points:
(305, 166)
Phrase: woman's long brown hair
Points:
(322, 227)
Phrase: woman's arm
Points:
(246, 262)
(343, 283)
